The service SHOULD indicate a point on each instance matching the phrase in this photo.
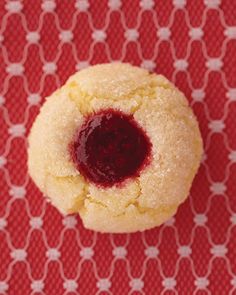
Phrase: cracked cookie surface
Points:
(163, 113)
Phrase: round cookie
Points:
(141, 200)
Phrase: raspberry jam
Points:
(110, 147)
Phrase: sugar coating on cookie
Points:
(142, 200)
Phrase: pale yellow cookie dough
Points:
(162, 111)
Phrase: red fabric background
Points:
(193, 253)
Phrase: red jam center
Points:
(110, 147)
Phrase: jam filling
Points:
(110, 147)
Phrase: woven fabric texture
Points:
(191, 42)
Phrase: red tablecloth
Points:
(193, 43)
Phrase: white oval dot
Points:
(34, 98)
(82, 5)
(164, 33)
(103, 284)
(53, 254)
(70, 285)
(69, 221)
(230, 32)
(99, 35)
(3, 161)
(66, 36)
(184, 251)
(136, 284)
(233, 282)
(231, 156)
(148, 65)
(212, 3)
(214, 64)
(87, 253)
(147, 4)
(200, 219)
(3, 223)
(231, 94)
(198, 94)
(119, 252)
(219, 250)
(131, 34)
(3, 286)
(233, 218)
(218, 188)
(14, 6)
(82, 65)
(15, 69)
(17, 192)
(49, 68)
(37, 285)
(179, 3)
(48, 5)
(2, 100)
(196, 33)
(36, 222)
(216, 126)
(114, 4)
(170, 221)
(169, 283)
(19, 254)
(151, 252)
(33, 37)
(181, 64)
(201, 282)
(17, 130)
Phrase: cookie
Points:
(117, 145)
